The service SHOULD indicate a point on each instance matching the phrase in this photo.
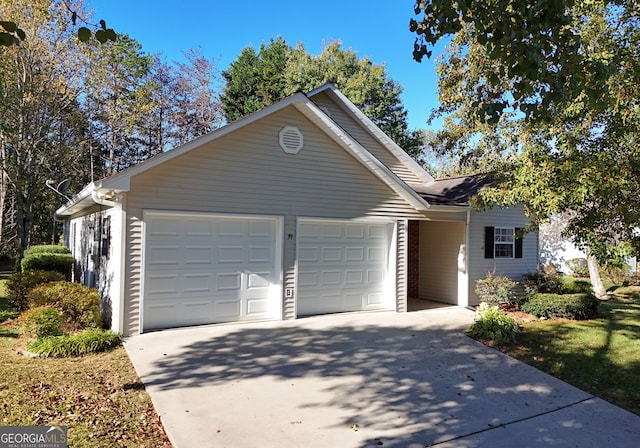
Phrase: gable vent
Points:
(291, 139)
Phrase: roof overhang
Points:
(120, 182)
(90, 196)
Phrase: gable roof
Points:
(366, 123)
(453, 191)
(106, 189)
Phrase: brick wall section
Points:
(413, 263)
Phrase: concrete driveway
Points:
(363, 380)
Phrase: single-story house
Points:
(304, 207)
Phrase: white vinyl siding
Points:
(402, 265)
(363, 137)
(95, 242)
(440, 245)
(514, 268)
(247, 172)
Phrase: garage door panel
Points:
(208, 269)
(198, 254)
(342, 266)
(260, 254)
(227, 310)
(167, 255)
(375, 299)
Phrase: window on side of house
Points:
(502, 242)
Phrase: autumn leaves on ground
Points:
(98, 397)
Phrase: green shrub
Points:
(79, 305)
(20, 283)
(571, 306)
(571, 285)
(578, 267)
(554, 284)
(542, 282)
(62, 263)
(87, 341)
(46, 249)
(40, 322)
(495, 289)
(493, 325)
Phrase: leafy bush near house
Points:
(578, 267)
(493, 325)
(46, 249)
(20, 283)
(540, 282)
(42, 321)
(88, 341)
(79, 305)
(495, 289)
(577, 306)
(59, 262)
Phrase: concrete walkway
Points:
(363, 380)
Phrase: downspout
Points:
(102, 200)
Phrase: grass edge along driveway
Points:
(600, 356)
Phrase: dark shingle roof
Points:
(452, 190)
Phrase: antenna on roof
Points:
(61, 189)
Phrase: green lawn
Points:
(99, 396)
(600, 356)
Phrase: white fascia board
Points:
(375, 131)
(75, 204)
(315, 114)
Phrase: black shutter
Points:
(518, 238)
(489, 239)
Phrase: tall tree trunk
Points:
(3, 190)
(594, 276)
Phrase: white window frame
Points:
(501, 243)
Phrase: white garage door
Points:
(343, 266)
(202, 269)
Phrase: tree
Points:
(197, 109)
(568, 75)
(40, 120)
(255, 80)
(118, 100)
(12, 34)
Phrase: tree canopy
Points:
(549, 93)
(80, 110)
(257, 79)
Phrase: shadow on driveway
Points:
(357, 380)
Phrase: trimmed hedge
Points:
(79, 305)
(555, 284)
(20, 283)
(57, 262)
(578, 306)
(46, 249)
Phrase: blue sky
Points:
(376, 29)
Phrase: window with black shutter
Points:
(502, 242)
